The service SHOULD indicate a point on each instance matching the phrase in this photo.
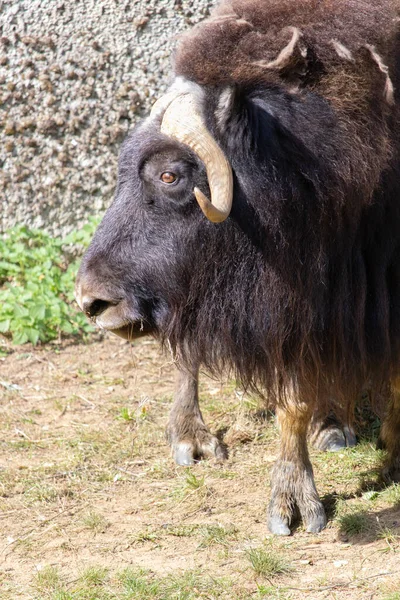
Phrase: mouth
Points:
(120, 324)
(132, 331)
(114, 315)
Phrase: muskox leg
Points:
(292, 479)
(390, 434)
(187, 433)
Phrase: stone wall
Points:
(75, 75)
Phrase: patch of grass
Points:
(94, 576)
(391, 494)
(355, 468)
(161, 469)
(183, 530)
(223, 473)
(267, 562)
(125, 414)
(95, 521)
(48, 580)
(192, 585)
(270, 592)
(148, 535)
(217, 534)
(139, 584)
(387, 534)
(192, 482)
(41, 493)
(352, 520)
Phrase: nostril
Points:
(94, 308)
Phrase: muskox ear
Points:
(297, 62)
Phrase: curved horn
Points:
(183, 122)
(160, 106)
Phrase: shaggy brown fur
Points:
(242, 37)
(299, 289)
(341, 51)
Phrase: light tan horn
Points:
(183, 122)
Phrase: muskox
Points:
(256, 223)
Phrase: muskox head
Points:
(174, 184)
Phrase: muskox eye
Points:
(168, 177)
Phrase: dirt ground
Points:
(87, 481)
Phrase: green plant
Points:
(267, 562)
(94, 521)
(37, 274)
(352, 519)
(217, 534)
(125, 414)
(48, 580)
(94, 576)
(193, 482)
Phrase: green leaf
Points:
(20, 338)
(4, 326)
(67, 327)
(38, 312)
(20, 311)
(33, 336)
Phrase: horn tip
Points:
(210, 211)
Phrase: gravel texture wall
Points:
(75, 75)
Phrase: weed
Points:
(126, 415)
(352, 520)
(267, 562)
(270, 592)
(94, 576)
(48, 580)
(192, 482)
(190, 485)
(391, 494)
(191, 585)
(94, 521)
(217, 534)
(182, 530)
(36, 284)
(146, 536)
(138, 584)
(41, 493)
(385, 533)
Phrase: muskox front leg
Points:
(292, 479)
(187, 433)
(390, 434)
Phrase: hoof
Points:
(183, 454)
(187, 453)
(317, 522)
(391, 474)
(350, 436)
(334, 439)
(278, 526)
(335, 447)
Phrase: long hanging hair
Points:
(299, 290)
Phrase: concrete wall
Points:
(75, 75)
